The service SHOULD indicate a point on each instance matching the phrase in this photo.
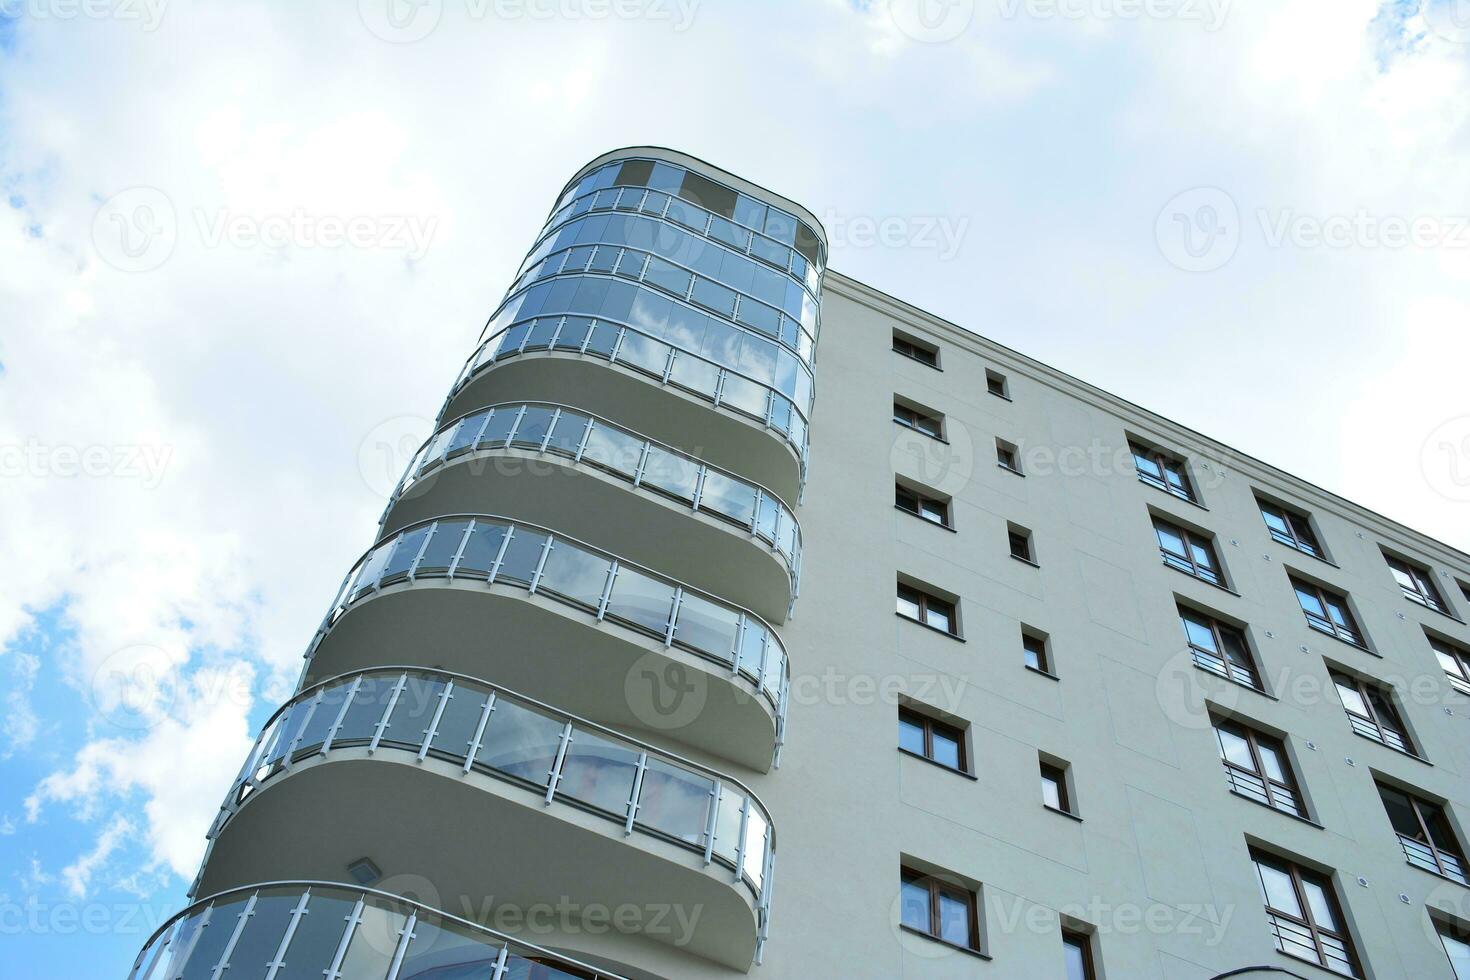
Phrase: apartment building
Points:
(691, 647)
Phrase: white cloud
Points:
(78, 875)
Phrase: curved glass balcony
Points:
(493, 555)
(577, 810)
(309, 929)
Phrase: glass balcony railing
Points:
(647, 355)
(548, 753)
(496, 551)
(591, 441)
(300, 930)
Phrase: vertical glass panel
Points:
(318, 934)
(1277, 889)
(744, 395)
(728, 497)
(573, 332)
(367, 708)
(545, 328)
(915, 901)
(1351, 699)
(288, 728)
(755, 846)
(1272, 762)
(643, 353)
(533, 426)
(910, 735)
(261, 937)
(480, 550)
(641, 601)
(1076, 956)
(694, 374)
(404, 554)
(520, 742)
(1321, 905)
(753, 649)
(502, 421)
(171, 964)
(369, 570)
(604, 337)
(727, 823)
(613, 449)
(464, 434)
(674, 475)
(676, 802)
(213, 938)
(1051, 792)
(443, 950)
(1236, 749)
(574, 573)
(521, 557)
(954, 919)
(566, 435)
(324, 716)
(370, 952)
(457, 723)
(415, 709)
(1458, 950)
(946, 750)
(1199, 633)
(442, 547)
(599, 772)
(1310, 603)
(707, 627)
(152, 961)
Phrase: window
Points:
(1077, 950)
(1035, 650)
(1291, 528)
(1425, 833)
(1456, 663)
(1020, 541)
(1158, 469)
(1465, 591)
(1305, 918)
(928, 609)
(1417, 583)
(1372, 714)
(996, 384)
(1257, 768)
(940, 909)
(917, 420)
(1328, 612)
(1456, 944)
(1054, 788)
(1007, 456)
(1188, 552)
(931, 739)
(1219, 648)
(929, 508)
(916, 349)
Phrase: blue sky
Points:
(1195, 209)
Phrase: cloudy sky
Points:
(247, 246)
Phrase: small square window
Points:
(1456, 663)
(916, 350)
(1020, 542)
(933, 739)
(1007, 456)
(914, 502)
(940, 909)
(1328, 612)
(1163, 470)
(996, 384)
(1417, 583)
(1034, 648)
(1291, 528)
(1054, 788)
(1188, 552)
(930, 610)
(918, 420)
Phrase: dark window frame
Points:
(1169, 465)
(938, 887)
(1460, 679)
(1083, 942)
(930, 725)
(1447, 863)
(1370, 726)
(1187, 562)
(1454, 931)
(997, 384)
(1277, 792)
(1008, 456)
(1297, 532)
(914, 350)
(925, 600)
(1208, 659)
(919, 500)
(1042, 654)
(1300, 875)
(1056, 774)
(1015, 534)
(1421, 588)
(1350, 633)
(915, 419)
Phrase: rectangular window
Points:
(1159, 469)
(1020, 542)
(1291, 528)
(1035, 650)
(1007, 456)
(929, 508)
(928, 609)
(1372, 714)
(996, 384)
(1306, 919)
(934, 740)
(1257, 768)
(1328, 612)
(1456, 663)
(940, 909)
(1220, 648)
(916, 349)
(1417, 583)
(1456, 944)
(1054, 788)
(1188, 552)
(1424, 831)
(1077, 949)
(919, 421)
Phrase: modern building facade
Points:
(619, 689)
